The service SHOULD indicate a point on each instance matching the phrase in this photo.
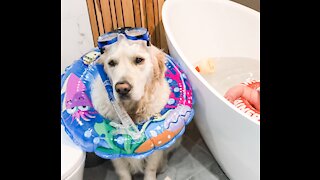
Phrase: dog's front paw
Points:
(163, 168)
(150, 177)
(125, 177)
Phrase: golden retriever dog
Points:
(137, 72)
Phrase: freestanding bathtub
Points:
(217, 28)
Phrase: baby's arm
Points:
(252, 95)
(234, 93)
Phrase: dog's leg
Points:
(122, 169)
(164, 163)
(154, 161)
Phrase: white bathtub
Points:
(217, 28)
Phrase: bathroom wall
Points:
(76, 36)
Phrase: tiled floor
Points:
(191, 161)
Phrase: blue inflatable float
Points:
(94, 133)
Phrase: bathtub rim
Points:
(170, 37)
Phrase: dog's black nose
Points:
(123, 88)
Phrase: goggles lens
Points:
(136, 32)
(130, 33)
(107, 37)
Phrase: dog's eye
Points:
(138, 60)
(112, 63)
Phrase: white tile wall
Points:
(76, 35)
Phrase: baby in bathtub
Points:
(250, 94)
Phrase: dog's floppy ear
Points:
(100, 60)
(159, 67)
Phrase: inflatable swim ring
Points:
(94, 133)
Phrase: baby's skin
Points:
(251, 95)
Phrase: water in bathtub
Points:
(230, 71)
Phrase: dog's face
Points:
(131, 65)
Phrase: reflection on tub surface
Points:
(230, 71)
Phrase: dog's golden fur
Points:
(149, 94)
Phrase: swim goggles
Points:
(130, 33)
